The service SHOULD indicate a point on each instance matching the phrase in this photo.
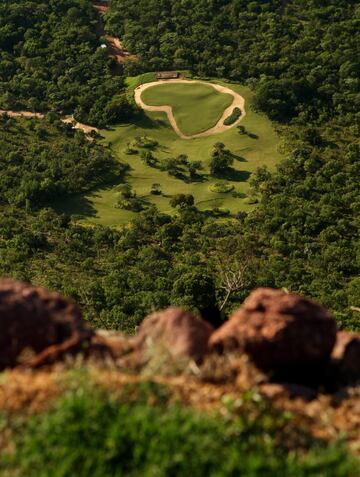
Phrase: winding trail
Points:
(66, 119)
(115, 46)
(238, 102)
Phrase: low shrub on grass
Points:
(221, 187)
(145, 142)
(239, 195)
(143, 434)
(234, 116)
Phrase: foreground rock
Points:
(279, 331)
(118, 344)
(346, 357)
(177, 332)
(285, 390)
(38, 326)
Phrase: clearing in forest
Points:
(159, 159)
(194, 108)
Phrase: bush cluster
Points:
(234, 116)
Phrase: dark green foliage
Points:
(308, 221)
(301, 54)
(50, 60)
(129, 200)
(182, 201)
(117, 277)
(300, 59)
(234, 116)
(41, 161)
(221, 160)
(89, 433)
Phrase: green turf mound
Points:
(221, 187)
(234, 116)
(196, 107)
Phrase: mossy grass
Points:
(141, 431)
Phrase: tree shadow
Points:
(77, 206)
(238, 158)
(234, 175)
(198, 178)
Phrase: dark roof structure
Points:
(168, 75)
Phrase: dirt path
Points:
(66, 119)
(238, 102)
(115, 46)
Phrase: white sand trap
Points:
(238, 102)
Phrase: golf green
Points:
(196, 107)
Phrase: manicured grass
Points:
(250, 151)
(135, 81)
(196, 107)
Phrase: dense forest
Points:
(300, 55)
(50, 59)
(300, 59)
(42, 160)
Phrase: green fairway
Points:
(259, 147)
(196, 107)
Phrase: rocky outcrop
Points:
(116, 343)
(284, 390)
(37, 326)
(179, 332)
(272, 339)
(346, 356)
(279, 331)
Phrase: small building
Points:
(165, 75)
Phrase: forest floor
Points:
(219, 127)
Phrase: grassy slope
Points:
(98, 207)
(142, 429)
(196, 107)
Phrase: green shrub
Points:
(90, 434)
(145, 142)
(234, 116)
(221, 187)
(239, 195)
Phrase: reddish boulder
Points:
(181, 333)
(276, 391)
(118, 344)
(279, 330)
(346, 356)
(39, 323)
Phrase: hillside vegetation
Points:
(135, 219)
(45, 159)
(299, 59)
(91, 431)
(46, 49)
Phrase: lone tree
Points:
(148, 158)
(156, 189)
(232, 279)
(194, 167)
(221, 159)
(182, 201)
